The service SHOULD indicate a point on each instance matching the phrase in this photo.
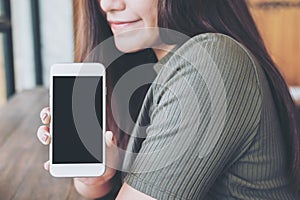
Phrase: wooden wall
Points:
(279, 23)
(2, 74)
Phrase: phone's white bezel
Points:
(80, 169)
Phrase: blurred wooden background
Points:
(279, 23)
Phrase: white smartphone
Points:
(77, 128)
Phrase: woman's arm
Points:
(205, 110)
(92, 190)
(128, 192)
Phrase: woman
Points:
(189, 142)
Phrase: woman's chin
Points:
(133, 41)
(128, 48)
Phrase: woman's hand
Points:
(88, 187)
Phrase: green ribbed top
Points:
(208, 128)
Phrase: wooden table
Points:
(21, 154)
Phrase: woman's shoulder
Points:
(217, 45)
(212, 38)
(212, 58)
(215, 51)
(206, 47)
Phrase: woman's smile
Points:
(118, 26)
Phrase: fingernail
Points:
(109, 136)
(45, 166)
(45, 138)
(44, 116)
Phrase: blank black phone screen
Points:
(77, 119)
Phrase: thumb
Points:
(112, 152)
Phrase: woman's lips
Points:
(119, 25)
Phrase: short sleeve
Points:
(205, 110)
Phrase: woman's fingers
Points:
(44, 135)
(45, 115)
(43, 132)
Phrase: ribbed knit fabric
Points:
(208, 128)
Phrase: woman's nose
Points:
(112, 5)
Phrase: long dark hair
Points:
(229, 17)
(233, 18)
(91, 28)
